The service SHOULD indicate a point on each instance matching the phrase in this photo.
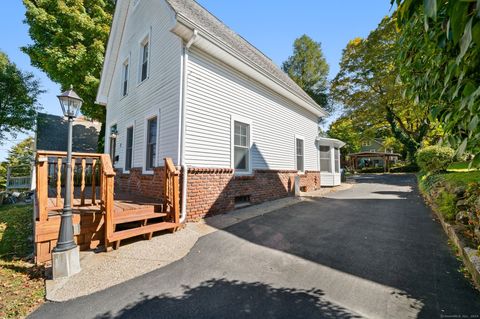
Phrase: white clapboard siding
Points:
(216, 92)
(159, 94)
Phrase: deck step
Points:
(133, 216)
(128, 233)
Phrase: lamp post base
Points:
(66, 263)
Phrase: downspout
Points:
(183, 214)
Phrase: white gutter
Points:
(183, 109)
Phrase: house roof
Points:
(52, 130)
(231, 49)
(200, 16)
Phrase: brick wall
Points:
(213, 191)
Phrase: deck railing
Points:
(171, 191)
(91, 175)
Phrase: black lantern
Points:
(70, 102)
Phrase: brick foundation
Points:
(212, 190)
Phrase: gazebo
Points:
(354, 157)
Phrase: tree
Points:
(309, 69)
(20, 158)
(344, 129)
(367, 85)
(18, 99)
(69, 41)
(439, 60)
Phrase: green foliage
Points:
(69, 40)
(344, 129)
(18, 99)
(446, 203)
(433, 159)
(22, 284)
(367, 86)
(439, 57)
(409, 168)
(309, 69)
(20, 157)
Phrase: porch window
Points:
(144, 60)
(151, 143)
(337, 160)
(325, 159)
(299, 151)
(129, 149)
(125, 79)
(241, 147)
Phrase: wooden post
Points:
(59, 182)
(42, 187)
(94, 190)
(108, 213)
(82, 185)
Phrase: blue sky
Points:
(270, 25)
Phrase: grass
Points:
(461, 167)
(21, 283)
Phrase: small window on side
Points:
(299, 151)
(125, 78)
(151, 143)
(325, 159)
(241, 147)
(145, 47)
(129, 149)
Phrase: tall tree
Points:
(18, 99)
(439, 61)
(345, 130)
(309, 69)
(367, 83)
(20, 158)
(69, 40)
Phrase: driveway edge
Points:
(470, 257)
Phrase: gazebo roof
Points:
(373, 154)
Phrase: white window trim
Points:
(129, 125)
(241, 119)
(299, 137)
(125, 61)
(145, 140)
(145, 39)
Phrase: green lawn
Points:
(461, 167)
(21, 282)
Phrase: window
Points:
(144, 60)
(299, 150)
(366, 143)
(151, 143)
(125, 79)
(325, 159)
(337, 160)
(129, 149)
(241, 147)
(113, 143)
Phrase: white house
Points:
(178, 83)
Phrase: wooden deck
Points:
(104, 216)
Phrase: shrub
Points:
(410, 168)
(433, 159)
(447, 204)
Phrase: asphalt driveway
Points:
(372, 251)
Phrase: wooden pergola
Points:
(385, 156)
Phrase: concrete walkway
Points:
(371, 251)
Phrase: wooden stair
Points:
(141, 216)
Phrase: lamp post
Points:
(65, 255)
